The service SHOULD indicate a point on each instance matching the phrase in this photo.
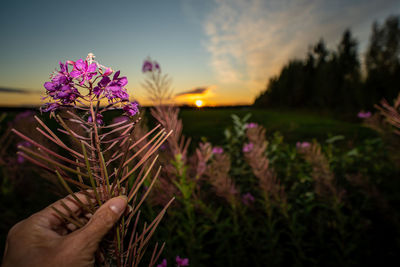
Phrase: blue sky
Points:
(230, 46)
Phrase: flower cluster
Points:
(248, 199)
(251, 125)
(364, 115)
(217, 150)
(248, 147)
(62, 90)
(301, 145)
(150, 65)
(180, 262)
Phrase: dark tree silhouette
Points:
(332, 79)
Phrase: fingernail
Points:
(118, 204)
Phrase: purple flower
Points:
(61, 89)
(157, 66)
(112, 89)
(163, 263)
(182, 262)
(301, 145)
(364, 115)
(247, 199)
(119, 119)
(251, 125)
(49, 107)
(217, 150)
(25, 115)
(83, 70)
(147, 66)
(20, 158)
(131, 109)
(248, 147)
(99, 119)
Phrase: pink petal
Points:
(123, 81)
(75, 73)
(92, 67)
(81, 65)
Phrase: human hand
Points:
(44, 239)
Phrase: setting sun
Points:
(199, 103)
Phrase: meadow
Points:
(313, 190)
(220, 186)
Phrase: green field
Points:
(293, 125)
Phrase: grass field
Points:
(293, 125)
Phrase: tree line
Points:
(336, 79)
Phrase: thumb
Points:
(101, 222)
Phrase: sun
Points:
(199, 103)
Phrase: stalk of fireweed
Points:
(104, 159)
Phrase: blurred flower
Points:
(163, 263)
(247, 199)
(27, 114)
(147, 66)
(21, 159)
(364, 115)
(99, 119)
(83, 70)
(248, 147)
(119, 119)
(300, 145)
(217, 150)
(132, 108)
(182, 262)
(157, 66)
(251, 125)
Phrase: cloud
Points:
(196, 91)
(249, 41)
(17, 91)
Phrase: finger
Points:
(101, 222)
(52, 219)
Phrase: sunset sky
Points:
(222, 50)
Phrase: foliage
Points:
(255, 199)
(333, 80)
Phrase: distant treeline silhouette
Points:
(335, 79)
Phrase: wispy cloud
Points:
(249, 41)
(17, 91)
(196, 91)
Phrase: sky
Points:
(220, 51)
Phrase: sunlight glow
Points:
(199, 103)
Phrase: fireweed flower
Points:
(149, 66)
(131, 109)
(247, 199)
(248, 147)
(251, 125)
(83, 70)
(364, 115)
(20, 158)
(112, 89)
(63, 91)
(25, 115)
(182, 261)
(163, 263)
(300, 145)
(119, 119)
(99, 119)
(217, 150)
